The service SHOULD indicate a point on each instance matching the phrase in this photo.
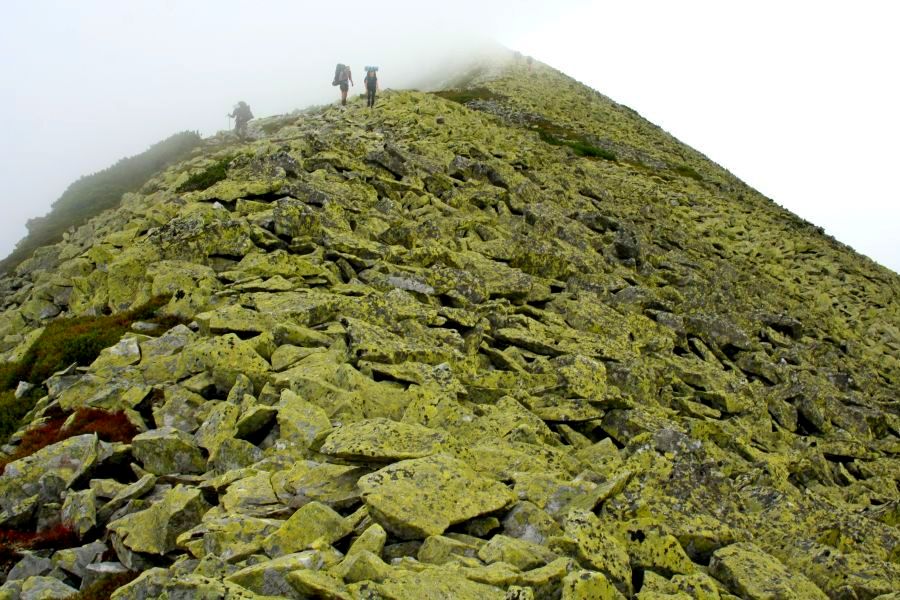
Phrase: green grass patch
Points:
(273, 127)
(686, 171)
(557, 136)
(463, 96)
(62, 343)
(208, 177)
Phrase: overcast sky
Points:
(797, 99)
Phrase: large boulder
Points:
(750, 572)
(421, 497)
(44, 475)
(167, 450)
(156, 529)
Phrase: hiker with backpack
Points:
(341, 76)
(371, 82)
(242, 116)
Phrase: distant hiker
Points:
(341, 76)
(241, 115)
(529, 60)
(371, 82)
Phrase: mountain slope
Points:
(507, 341)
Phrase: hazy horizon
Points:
(90, 83)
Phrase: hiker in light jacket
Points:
(342, 80)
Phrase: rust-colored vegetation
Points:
(14, 542)
(109, 427)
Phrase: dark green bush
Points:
(686, 171)
(13, 409)
(80, 339)
(579, 146)
(468, 95)
(206, 178)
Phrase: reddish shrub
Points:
(109, 426)
(13, 542)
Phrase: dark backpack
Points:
(339, 74)
(242, 112)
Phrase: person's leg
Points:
(344, 88)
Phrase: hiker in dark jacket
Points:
(371, 82)
(343, 77)
(241, 115)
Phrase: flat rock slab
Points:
(749, 571)
(436, 584)
(420, 497)
(383, 440)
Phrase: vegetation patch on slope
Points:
(109, 427)
(92, 194)
(556, 135)
(208, 177)
(464, 96)
(77, 340)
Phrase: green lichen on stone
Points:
(421, 497)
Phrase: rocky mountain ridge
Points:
(503, 341)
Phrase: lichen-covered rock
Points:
(270, 577)
(421, 497)
(312, 525)
(122, 496)
(300, 422)
(586, 540)
(439, 549)
(230, 538)
(79, 510)
(156, 529)
(179, 410)
(77, 560)
(126, 352)
(383, 440)
(318, 584)
(751, 573)
(435, 584)
(588, 585)
(362, 566)
(30, 565)
(224, 358)
(521, 554)
(45, 588)
(330, 484)
(46, 473)
(168, 450)
(97, 572)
